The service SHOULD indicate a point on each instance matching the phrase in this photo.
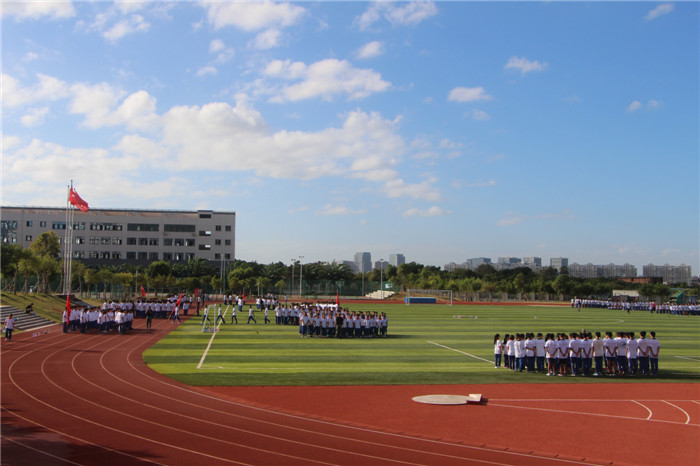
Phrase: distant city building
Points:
(602, 271)
(669, 273)
(363, 262)
(451, 267)
(397, 259)
(532, 261)
(118, 236)
(509, 260)
(381, 265)
(475, 262)
(559, 262)
(350, 264)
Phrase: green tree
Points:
(77, 275)
(46, 244)
(106, 277)
(9, 264)
(47, 267)
(563, 285)
(27, 267)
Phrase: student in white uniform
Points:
(654, 347)
(497, 350)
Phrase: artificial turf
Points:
(426, 344)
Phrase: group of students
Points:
(577, 354)
(650, 306)
(104, 320)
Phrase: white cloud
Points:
(468, 94)
(135, 23)
(35, 116)
(634, 106)
(660, 10)
(224, 53)
(47, 88)
(510, 219)
(330, 209)
(398, 14)
(253, 16)
(207, 70)
(36, 10)
(433, 211)
(425, 190)
(524, 65)
(371, 50)
(326, 79)
(480, 115)
(30, 56)
(128, 6)
(266, 40)
(654, 104)
(216, 45)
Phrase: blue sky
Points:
(442, 130)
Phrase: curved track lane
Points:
(82, 399)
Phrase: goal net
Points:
(414, 296)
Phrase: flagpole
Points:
(68, 245)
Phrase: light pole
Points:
(292, 287)
(381, 278)
(301, 271)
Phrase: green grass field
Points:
(426, 345)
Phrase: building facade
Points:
(397, 259)
(363, 262)
(558, 263)
(139, 237)
(602, 271)
(669, 273)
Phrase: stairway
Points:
(24, 321)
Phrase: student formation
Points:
(579, 354)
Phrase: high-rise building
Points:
(532, 261)
(559, 262)
(363, 262)
(477, 261)
(602, 271)
(117, 236)
(396, 259)
(669, 273)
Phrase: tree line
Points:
(40, 267)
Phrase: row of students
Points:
(104, 320)
(343, 324)
(577, 354)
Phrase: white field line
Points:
(462, 352)
(648, 410)
(687, 416)
(211, 340)
(695, 359)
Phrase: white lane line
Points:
(648, 410)
(687, 416)
(462, 352)
(211, 340)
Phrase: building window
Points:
(179, 242)
(131, 241)
(142, 226)
(78, 254)
(153, 241)
(204, 215)
(189, 242)
(131, 255)
(189, 256)
(28, 238)
(94, 240)
(217, 242)
(167, 256)
(58, 226)
(153, 256)
(218, 228)
(29, 223)
(217, 256)
(227, 256)
(179, 228)
(42, 223)
(115, 255)
(92, 254)
(227, 242)
(143, 256)
(79, 226)
(228, 227)
(116, 240)
(105, 240)
(79, 240)
(104, 254)
(168, 242)
(204, 247)
(143, 241)
(204, 233)
(178, 256)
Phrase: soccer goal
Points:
(414, 296)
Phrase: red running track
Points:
(89, 398)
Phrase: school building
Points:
(139, 237)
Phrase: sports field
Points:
(426, 344)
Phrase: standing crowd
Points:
(579, 354)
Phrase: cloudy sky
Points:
(440, 130)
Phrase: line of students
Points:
(90, 318)
(577, 354)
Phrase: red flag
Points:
(68, 306)
(337, 298)
(243, 295)
(179, 299)
(143, 292)
(77, 201)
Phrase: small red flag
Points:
(337, 298)
(143, 292)
(77, 201)
(68, 306)
(244, 296)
